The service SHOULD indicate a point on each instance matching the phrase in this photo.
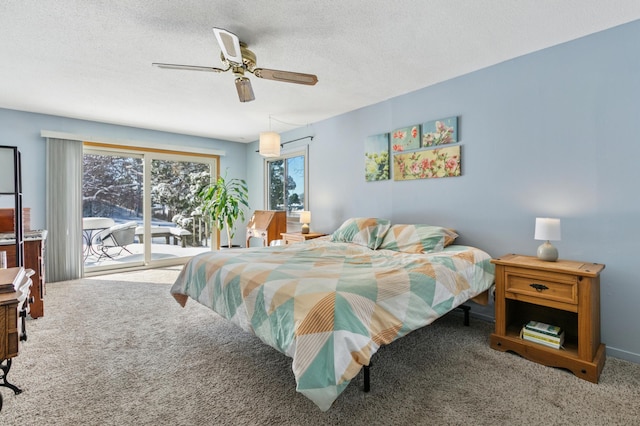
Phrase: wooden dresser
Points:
(34, 245)
(9, 326)
(267, 225)
(33, 259)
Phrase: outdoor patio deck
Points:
(158, 251)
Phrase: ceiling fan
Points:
(237, 58)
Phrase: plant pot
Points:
(233, 246)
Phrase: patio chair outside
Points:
(116, 237)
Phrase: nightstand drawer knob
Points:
(539, 287)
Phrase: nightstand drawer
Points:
(550, 286)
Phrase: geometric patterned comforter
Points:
(330, 306)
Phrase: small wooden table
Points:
(297, 237)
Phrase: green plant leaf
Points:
(224, 201)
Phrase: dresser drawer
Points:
(550, 286)
(8, 331)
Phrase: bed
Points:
(332, 302)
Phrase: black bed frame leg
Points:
(366, 369)
(466, 310)
(367, 377)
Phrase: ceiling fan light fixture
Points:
(237, 58)
(245, 91)
(269, 144)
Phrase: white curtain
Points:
(64, 260)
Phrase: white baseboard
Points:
(627, 356)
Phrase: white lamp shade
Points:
(547, 229)
(269, 144)
(305, 216)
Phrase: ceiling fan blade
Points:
(287, 76)
(188, 67)
(229, 44)
(245, 91)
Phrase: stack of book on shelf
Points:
(545, 334)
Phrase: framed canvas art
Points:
(440, 132)
(405, 139)
(376, 157)
(427, 164)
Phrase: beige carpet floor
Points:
(118, 350)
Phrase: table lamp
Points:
(547, 229)
(305, 219)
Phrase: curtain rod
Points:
(294, 140)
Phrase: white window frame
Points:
(148, 155)
(292, 221)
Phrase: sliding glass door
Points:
(112, 196)
(177, 226)
(140, 208)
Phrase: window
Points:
(287, 184)
(156, 190)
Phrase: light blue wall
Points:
(554, 133)
(22, 129)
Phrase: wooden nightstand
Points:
(297, 237)
(564, 293)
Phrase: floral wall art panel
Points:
(405, 139)
(426, 164)
(376, 157)
(440, 132)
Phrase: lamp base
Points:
(547, 252)
(305, 228)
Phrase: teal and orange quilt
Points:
(331, 305)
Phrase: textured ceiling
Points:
(92, 59)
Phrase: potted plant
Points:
(224, 200)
